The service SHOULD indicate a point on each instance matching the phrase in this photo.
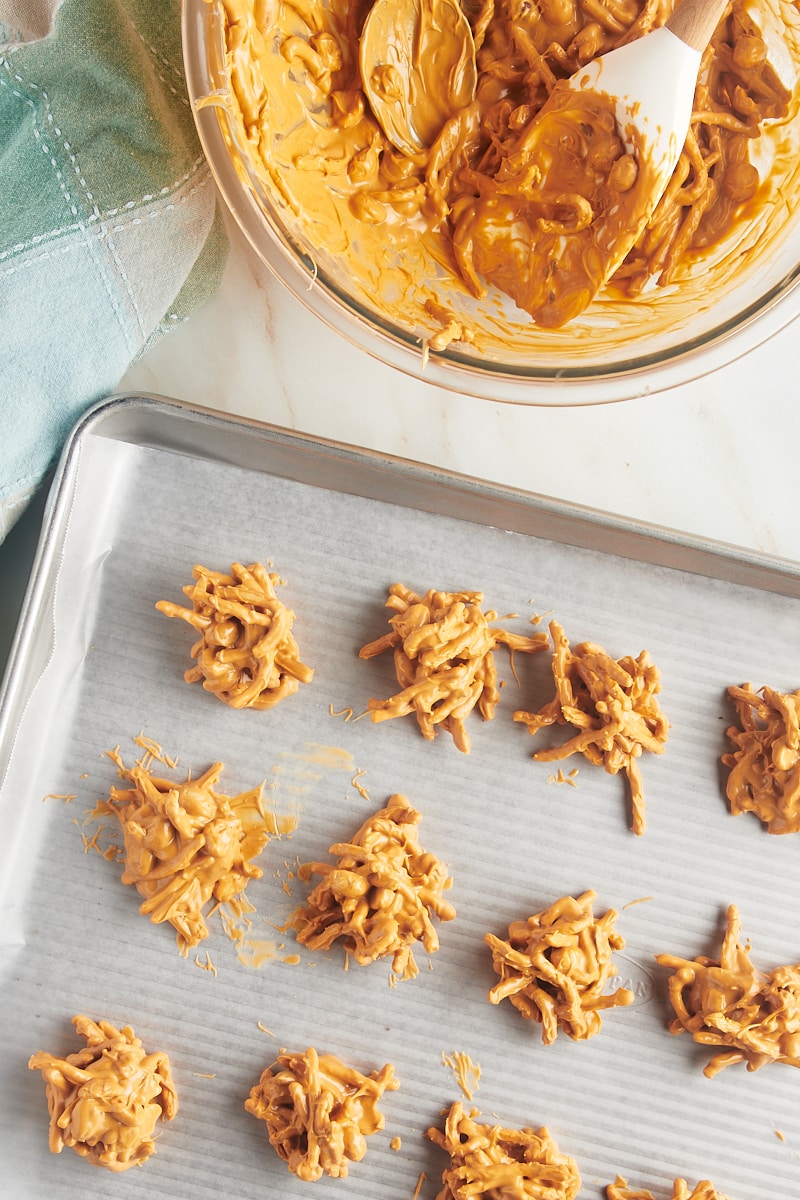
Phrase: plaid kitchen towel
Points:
(109, 231)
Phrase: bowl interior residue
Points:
(740, 294)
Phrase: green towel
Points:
(109, 229)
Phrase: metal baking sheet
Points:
(149, 487)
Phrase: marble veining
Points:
(716, 457)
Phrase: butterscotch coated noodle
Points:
(380, 896)
(681, 1190)
(748, 1015)
(319, 1111)
(246, 654)
(612, 703)
(488, 1161)
(443, 646)
(471, 205)
(764, 764)
(106, 1100)
(555, 967)
(186, 843)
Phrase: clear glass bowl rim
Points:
(540, 385)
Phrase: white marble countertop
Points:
(716, 457)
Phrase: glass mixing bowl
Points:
(616, 351)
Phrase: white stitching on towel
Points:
(53, 253)
(95, 217)
(155, 54)
(103, 233)
(80, 225)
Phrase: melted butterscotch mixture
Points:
(555, 967)
(443, 647)
(750, 1016)
(186, 844)
(488, 1161)
(681, 1190)
(246, 654)
(765, 763)
(380, 896)
(319, 1112)
(612, 703)
(565, 201)
(488, 201)
(105, 1101)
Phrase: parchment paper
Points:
(632, 1100)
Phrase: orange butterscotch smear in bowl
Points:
(425, 232)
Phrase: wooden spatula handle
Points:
(694, 21)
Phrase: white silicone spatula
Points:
(652, 81)
(427, 47)
(409, 47)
